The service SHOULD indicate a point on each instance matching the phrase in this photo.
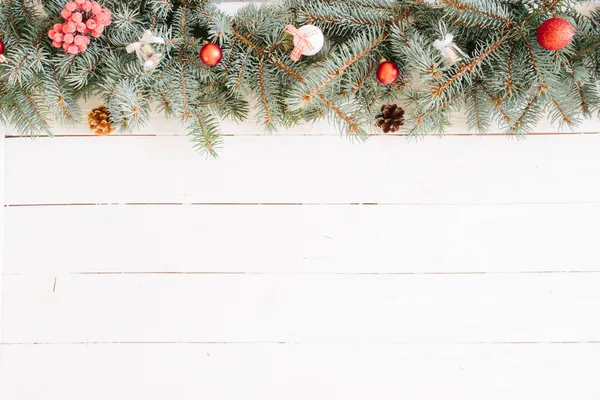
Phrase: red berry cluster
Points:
(82, 18)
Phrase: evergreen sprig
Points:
(505, 77)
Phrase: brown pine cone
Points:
(99, 121)
(391, 118)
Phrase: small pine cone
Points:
(391, 118)
(99, 121)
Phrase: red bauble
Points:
(211, 54)
(1, 47)
(555, 34)
(388, 72)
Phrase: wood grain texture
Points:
(509, 308)
(300, 265)
(301, 170)
(299, 372)
(302, 239)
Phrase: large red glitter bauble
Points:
(388, 72)
(211, 54)
(1, 47)
(555, 34)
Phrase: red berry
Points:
(555, 34)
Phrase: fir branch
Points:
(242, 68)
(349, 56)
(583, 105)
(550, 6)
(25, 9)
(509, 78)
(63, 103)
(467, 24)
(204, 134)
(420, 117)
(34, 106)
(352, 128)
(542, 87)
(497, 102)
(15, 75)
(564, 118)
(272, 57)
(518, 125)
(481, 127)
(495, 15)
(378, 5)
(344, 17)
(185, 113)
(230, 56)
(313, 18)
(166, 104)
(505, 74)
(28, 112)
(263, 96)
(368, 73)
(439, 91)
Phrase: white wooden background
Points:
(300, 266)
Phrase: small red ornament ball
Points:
(388, 72)
(211, 54)
(1, 47)
(555, 34)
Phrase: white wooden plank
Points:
(302, 308)
(274, 372)
(302, 239)
(304, 170)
